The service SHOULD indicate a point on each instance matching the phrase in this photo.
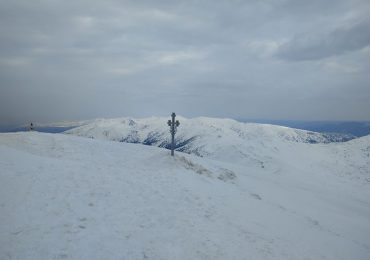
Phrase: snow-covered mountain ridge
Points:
(66, 197)
(154, 131)
(219, 139)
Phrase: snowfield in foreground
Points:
(67, 197)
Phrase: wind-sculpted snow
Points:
(66, 197)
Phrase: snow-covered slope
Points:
(66, 197)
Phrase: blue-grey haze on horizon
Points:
(282, 59)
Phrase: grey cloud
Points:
(319, 46)
(84, 59)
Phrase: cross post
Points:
(173, 128)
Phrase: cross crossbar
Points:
(173, 124)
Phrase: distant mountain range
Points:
(335, 130)
(356, 129)
(206, 137)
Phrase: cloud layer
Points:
(252, 59)
(318, 46)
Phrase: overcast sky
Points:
(283, 59)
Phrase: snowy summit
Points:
(232, 191)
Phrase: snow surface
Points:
(67, 197)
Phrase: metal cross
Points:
(173, 125)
